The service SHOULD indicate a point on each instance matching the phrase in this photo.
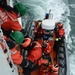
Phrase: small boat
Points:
(58, 53)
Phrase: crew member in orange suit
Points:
(14, 42)
(59, 30)
(38, 31)
(9, 15)
(53, 69)
(50, 70)
(46, 47)
(34, 54)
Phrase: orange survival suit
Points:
(34, 55)
(8, 22)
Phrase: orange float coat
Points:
(61, 32)
(37, 31)
(9, 21)
(16, 56)
(35, 53)
(51, 70)
(47, 50)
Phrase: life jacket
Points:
(9, 21)
(40, 32)
(61, 32)
(35, 53)
(47, 50)
(35, 29)
(51, 70)
(16, 56)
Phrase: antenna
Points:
(50, 14)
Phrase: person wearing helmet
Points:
(59, 38)
(46, 50)
(34, 54)
(46, 47)
(38, 31)
(53, 69)
(9, 15)
(59, 30)
(34, 49)
(15, 40)
(58, 25)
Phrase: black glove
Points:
(26, 64)
(47, 56)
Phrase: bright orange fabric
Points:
(7, 23)
(42, 61)
(47, 50)
(54, 68)
(27, 42)
(61, 32)
(16, 56)
(35, 53)
(49, 73)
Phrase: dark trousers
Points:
(27, 71)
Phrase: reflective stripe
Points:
(11, 16)
(37, 45)
(27, 64)
(14, 52)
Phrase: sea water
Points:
(63, 11)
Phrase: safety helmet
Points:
(20, 8)
(17, 36)
(26, 42)
(39, 22)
